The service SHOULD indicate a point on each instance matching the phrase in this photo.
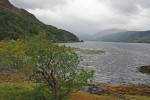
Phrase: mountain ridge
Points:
(128, 36)
(119, 35)
(5, 4)
(19, 23)
(97, 35)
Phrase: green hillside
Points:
(128, 36)
(18, 23)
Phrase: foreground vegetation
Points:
(35, 69)
(32, 91)
(36, 59)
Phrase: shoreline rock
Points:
(94, 89)
(144, 69)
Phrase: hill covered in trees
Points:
(18, 23)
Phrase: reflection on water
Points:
(118, 65)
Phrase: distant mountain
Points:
(97, 36)
(18, 23)
(119, 35)
(128, 36)
(110, 31)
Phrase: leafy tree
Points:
(57, 65)
(59, 68)
(12, 53)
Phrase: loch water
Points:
(118, 66)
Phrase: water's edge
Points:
(118, 65)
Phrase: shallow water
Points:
(118, 65)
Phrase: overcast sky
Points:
(90, 16)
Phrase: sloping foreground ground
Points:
(86, 96)
(12, 90)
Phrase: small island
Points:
(144, 69)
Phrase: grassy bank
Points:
(15, 90)
(25, 91)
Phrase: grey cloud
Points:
(90, 16)
(124, 6)
(143, 3)
(128, 6)
(33, 4)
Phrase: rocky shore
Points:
(121, 90)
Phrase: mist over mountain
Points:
(98, 35)
(128, 36)
(119, 35)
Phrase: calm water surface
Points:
(118, 65)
